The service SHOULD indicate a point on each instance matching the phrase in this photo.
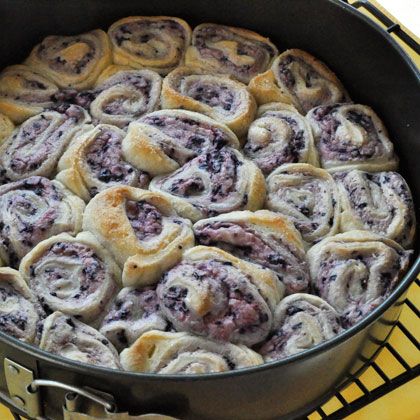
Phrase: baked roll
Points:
(212, 293)
(6, 128)
(154, 42)
(140, 229)
(162, 141)
(36, 146)
(264, 238)
(379, 202)
(25, 92)
(226, 49)
(308, 196)
(133, 312)
(215, 182)
(301, 322)
(215, 95)
(32, 210)
(356, 271)
(72, 61)
(280, 135)
(351, 136)
(94, 162)
(120, 95)
(74, 275)
(298, 78)
(183, 353)
(67, 337)
(20, 313)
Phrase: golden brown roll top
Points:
(226, 49)
(182, 353)
(298, 78)
(141, 230)
(72, 61)
(154, 42)
(25, 92)
(6, 127)
(215, 95)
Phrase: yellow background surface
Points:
(402, 403)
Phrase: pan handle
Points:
(391, 26)
(36, 383)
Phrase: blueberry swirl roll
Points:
(215, 95)
(32, 210)
(20, 313)
(235, 51)
(215, 182)
(183, 353)
(133, 312)
(380, 202)
(162, 141)
(212, 293)
(351, 136)
(6, 127)
(94, 162)
(72, 61)
(67, 337)
(120, 95)
(36, 146)
(280, 135)
(298, 78)
(308, 196)
(75, 275)
(141, 230)
(356, 271)
(25, 92)
(154, 42)
(301, 321)
(261, 237)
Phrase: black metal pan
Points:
(376, 72)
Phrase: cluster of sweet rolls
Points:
(178, 201)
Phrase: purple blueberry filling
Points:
(236, 311)
(145, 219)
(271, 155)
(91, 274)
(215, 96)
(222, 168)
(32, 221)
(333, 148)
(261, 52)
(105, 160)
(196, 136)
(245, 243)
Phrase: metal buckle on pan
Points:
(24, 393)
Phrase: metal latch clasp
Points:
(19, 380)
